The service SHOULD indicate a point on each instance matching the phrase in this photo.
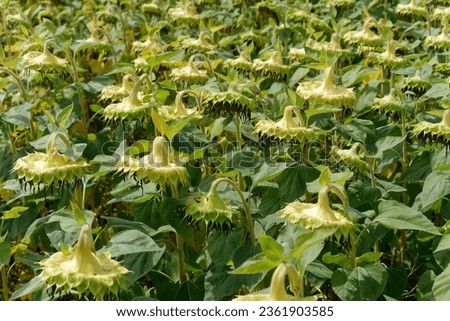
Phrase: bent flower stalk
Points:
(81, 269)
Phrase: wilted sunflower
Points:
(441, 41)
(278, 286)
(273, 67)
(211, 208)
(204, 43)
(365, 37)
(114, 92)
(187, 14)
(235, 100)
(352, 157)
(79, 268)
(43, 61)
(287, 128)
(157, 167)
(416, 84)
(191, 74)
(153, 7)
(242, 64)
(386, 58)
(443, 14)
(50, 167)
(326, 91)
(332, 47)
(319, 215)
(131, 107)
(430, 133)
(411, 9)
(152, 46)
(389, 103)
(299, 54)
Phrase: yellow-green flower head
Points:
(308, 17)
(114, 92)
(243, 63)
(79, 268)
(131, 107)
(141, 64)
(187, 14)
(287, 128)
(43, 61)
(442, 68)
(152, 46)
(416, 84)
(211, 208)
(332, 47)
(326, 91)
(274, 67)
(236, 100)
(320, 215)
(190, 73)
(441, 41)
(178, 110)
(352, 157)
(341, 3)
(442, 14)
(430, 133)
(389, 103)
(386, 58)
(202, 44)
(365, 37)
(94, 39)
(158, 167)
(411, 9)
(277, 286)
(50, 167)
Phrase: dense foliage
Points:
(218, 150)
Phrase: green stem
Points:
(248, 214)
(5, 286)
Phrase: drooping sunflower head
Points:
(44, 61)
(365, 37)
(273, 67)
(235, 100)
(416, 84)
(131, 107)
(320, 215)
(80, 268)
(158, 167)
(411, 9)
(327, 92)
(190, 73)
(179, 110)
(212, 208)
(434, 133)
(387, 58)
(441, 41)
(114, 92)
(389, 103)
